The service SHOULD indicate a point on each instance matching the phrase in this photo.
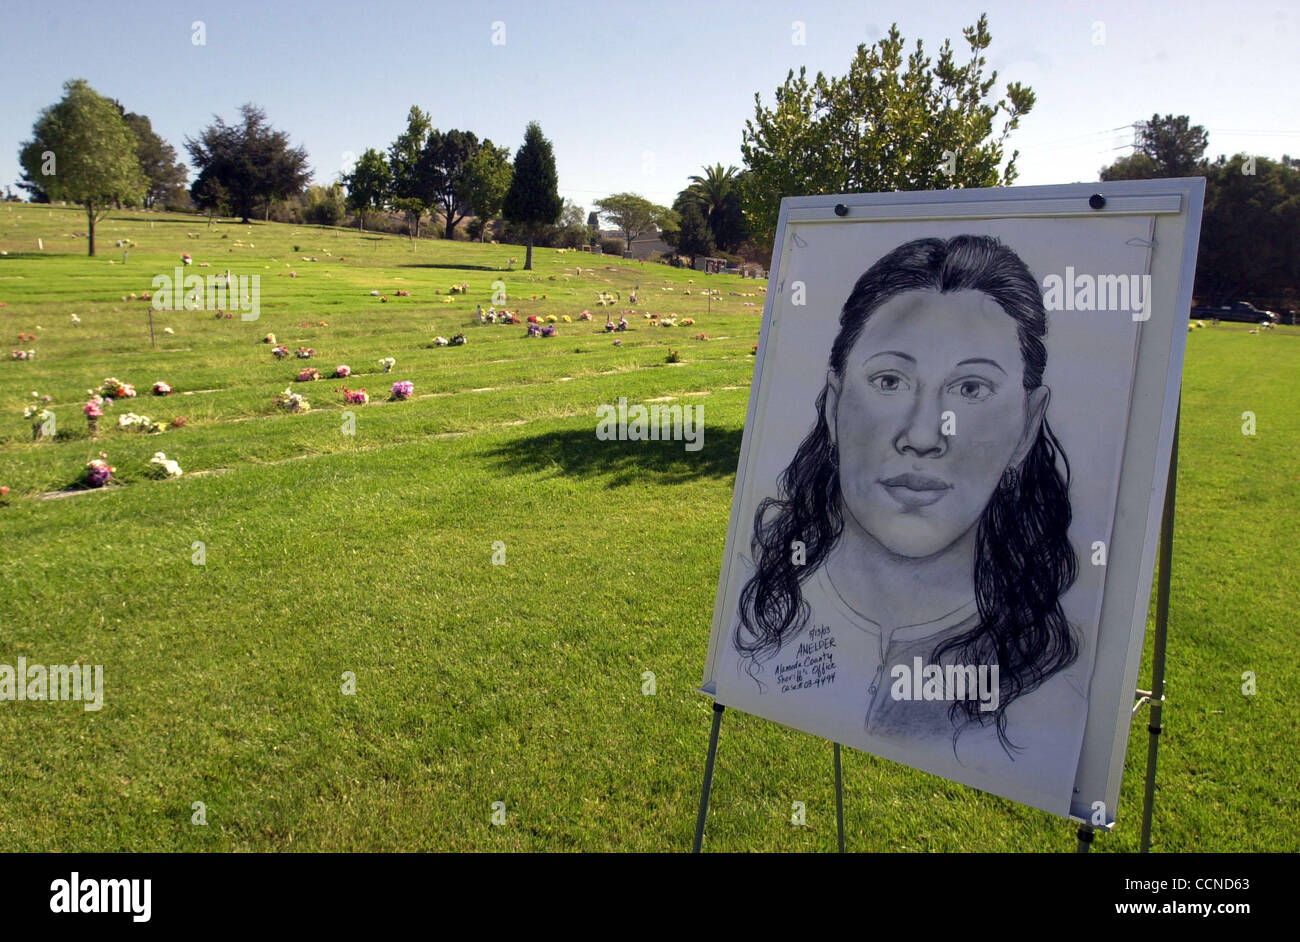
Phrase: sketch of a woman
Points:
(929, 504)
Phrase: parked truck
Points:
(1240, 311)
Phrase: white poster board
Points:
(947, 507)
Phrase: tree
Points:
(485, 183)
(635, 214)
(571, 231)
(533, 199)
(1167, 147)
(443, 164)
(693, 235)
(83, 152)
(1176, 147)
(1136, 166)
(251, 161)
(895, 122)
(368, 185)
(165, 174)
(717, 195)
(412, 193)
(1250, 227)
(325, 205)
(211, 197)
(1250, 232)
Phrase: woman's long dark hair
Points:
(1023, 561)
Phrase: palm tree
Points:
(711, 190)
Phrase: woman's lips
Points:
(915, 490)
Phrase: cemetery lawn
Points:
(521, 683)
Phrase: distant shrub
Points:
(612, 247)
(324, 207)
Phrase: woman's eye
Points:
(974, 390)
(888, 382)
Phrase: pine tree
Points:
(533, 199)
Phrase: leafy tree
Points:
(443, 164)
(1137, 166)
(368, 185)
(211, 197)
(533, 199)
(895, 122)
(325, 205)
(1250, 229)
(412, 193)
(635, 214)
(693, 234)
(1167, 147)
(571, 231)
(165, 174)
(83, 152)
(1250, 232)
(251, 161)
(485, 183)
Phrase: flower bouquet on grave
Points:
(355, 397)
(98, 471)
(94, 409)
(114, 388)
(402, 390)
(138, 423)
(160, 466)
(291, 401)
(36, 413)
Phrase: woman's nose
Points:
(921, 435)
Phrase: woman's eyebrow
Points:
(892, 353)
(992, 363)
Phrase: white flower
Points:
(162, 466)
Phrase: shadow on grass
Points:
(579, 452)
(449, 266)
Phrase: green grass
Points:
(518, 683)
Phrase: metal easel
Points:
(1155, 696)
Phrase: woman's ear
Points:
(832, 403)
(1035, 413)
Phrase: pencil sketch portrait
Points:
(916, 550)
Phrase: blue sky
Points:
(638, 96)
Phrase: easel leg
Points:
(839, 798)
(1086, 835)
(1162, 633)
(718, 708)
